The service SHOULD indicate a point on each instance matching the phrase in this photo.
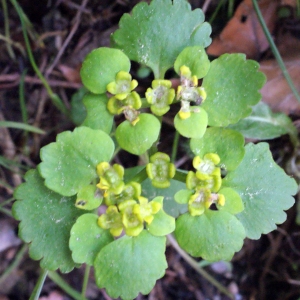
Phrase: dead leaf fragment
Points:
(243, 32)
(71, 74)
(276, 92)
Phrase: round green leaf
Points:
(98, 117)
(232, 85)
(131, 265)
(228, 144)
(194, 126)
(138, 138)
(183, 196)
(171, 207)
(162, 223)
(214, 236)
(70, 163)
(100, 67)
(89, 197)
(78, 110)
(264, 188)
(46, 220)
(87, 239)
(233, 201)
(195, 58)
(155, 34)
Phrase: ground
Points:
(61, 33)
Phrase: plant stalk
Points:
(275, 50)
(194, 264)
(54, 97)
(39, 285)
(85, 279)
(64, 286)
(14, 264)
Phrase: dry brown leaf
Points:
(276, 92)
(71, 74)
(243, 32)
(55, 295)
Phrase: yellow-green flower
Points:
(133, 222)
(122, 86)
(146, 210)
(116, 106)
(188, 91)
(132, 190)
(206, 166)
(160, 96)
(200, 201)
(111, 178)
(160, 170)
(198, 181)
(112, 220)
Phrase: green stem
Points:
(54, 97)
(275, 50)
(180, 176)
(6, 211)
(175, 146)
(140, 176)
(22, 97)
(64, 286)
(194, 264)
(39, 285)
(230, 8)
(7, 201)
(14, 264)
(6, 30)
(85, 280)
(212, 18)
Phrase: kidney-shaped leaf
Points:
(98, 117)
(88, 238)
(215, 235)
(46, 220)
(70, 163)
(138, 138)
(155, 34)
(232, 85)
(131, 265)
(101, 66)
(171, 207)
(162, 223)
(195, 58)
(228, 144)
(264, 188)
(194, 126)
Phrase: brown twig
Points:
(12, 80)
(69, 37)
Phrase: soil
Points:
(62, 32)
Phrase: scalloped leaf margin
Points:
(131, 265)
(232, 85)
(264, 188)
(147, 35)
(70, 163)
(46, 220)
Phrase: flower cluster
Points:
(205, 182)
(127, 209)
(125, 99)
(188, 91)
